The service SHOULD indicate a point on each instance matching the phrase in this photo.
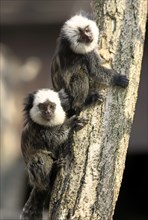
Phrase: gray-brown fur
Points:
(41, 148)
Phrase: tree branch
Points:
(89, 185)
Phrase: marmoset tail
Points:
(76, 65)
(46, 129)
(33, 209)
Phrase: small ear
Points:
(28, 101)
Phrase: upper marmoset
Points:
(46, 129)
(76, 65)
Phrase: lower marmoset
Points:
(46, 129)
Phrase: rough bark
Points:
(88, 187)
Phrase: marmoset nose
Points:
(47, 115)
(48, 111)
(88, 38)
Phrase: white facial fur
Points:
(42, 96)
(70, 30)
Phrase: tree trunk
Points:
(88, 187)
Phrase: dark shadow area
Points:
(132, 201)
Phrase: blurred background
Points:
(29, 30)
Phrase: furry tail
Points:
(33, 208)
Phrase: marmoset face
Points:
(82, 34)
(85, 35)
(46, 108)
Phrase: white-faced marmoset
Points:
(76, 66)
(46, 129)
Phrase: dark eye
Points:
(40, 105)
(87, 29)
(52, 106)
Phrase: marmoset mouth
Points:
(46, 116)
(85, 39)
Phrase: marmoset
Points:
(76, 65)
(46, 129)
